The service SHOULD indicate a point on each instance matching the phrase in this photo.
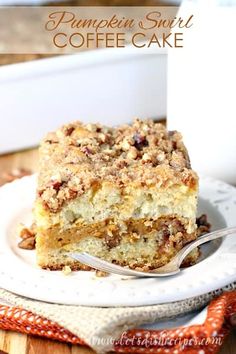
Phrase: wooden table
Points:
(15, 343)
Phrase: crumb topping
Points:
(78, 157)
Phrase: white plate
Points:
(20, 274)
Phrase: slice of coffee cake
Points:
(125, 194)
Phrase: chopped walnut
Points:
(26, 233)
(56, 184)
(112, 240)
(203, 225)
(140, 141)
(87, 150)
(28, 236)
(177, 160)
(27, 243)
(69, 131)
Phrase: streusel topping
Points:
(77, 157)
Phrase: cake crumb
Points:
(100, 274)
(66, 270)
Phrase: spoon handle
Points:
(203, 239)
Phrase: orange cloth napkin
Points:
(204, 338)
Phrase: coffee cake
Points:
(125, 194)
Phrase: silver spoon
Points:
(171, 268)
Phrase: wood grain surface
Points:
(16, 343)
